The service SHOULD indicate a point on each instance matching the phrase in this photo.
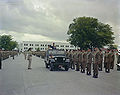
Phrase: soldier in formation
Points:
(86, 61)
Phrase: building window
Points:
(25, 44)
(62, 46)
(66, 46)
(36, 44)
(72, 46)
(57, 45)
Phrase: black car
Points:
(55, 59)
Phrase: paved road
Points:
(15, 79)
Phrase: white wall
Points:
(43, 46)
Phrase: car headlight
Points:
(63, 58)
(55, 58)
(67, 60)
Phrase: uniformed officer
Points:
(77, 61)
(84, 61)
(100, 61)
(0, 59)
(107, 61)
(89, 62)
(70, 57)
(25, 54)
(95, 63)
(80, 58)
(72, 63)
(29, 58)
(112, 59)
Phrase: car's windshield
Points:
(56, 52)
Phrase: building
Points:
(43, 45)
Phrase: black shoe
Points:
(29, 68)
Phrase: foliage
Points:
(6, 42)
(113, 46)
(88, 32)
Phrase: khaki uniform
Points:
(101, 61)
(0, 60)
(95, 64)
(29, 59)
(118, 59)
(25, 54)
(77, 61)
(84, 61)
(80, 59)
(73, 61)
(107, 62)
(89, 62)
(112, 60)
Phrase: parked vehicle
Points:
(55, 59)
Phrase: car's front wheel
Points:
(66, 68)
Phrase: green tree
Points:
(113, 46)
(7, 43)
(88, 32)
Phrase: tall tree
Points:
(88, 32)
(7, 43)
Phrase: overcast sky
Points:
(37, 20)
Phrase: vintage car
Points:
(56, 59)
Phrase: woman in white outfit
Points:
(29, 58)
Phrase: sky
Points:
(48, 20)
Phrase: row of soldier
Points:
(5, 55)
(88, 60)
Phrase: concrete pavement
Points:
(15, 79)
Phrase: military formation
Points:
(88, 61)
(6, 54)
(85, 61)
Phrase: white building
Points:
(43, 45)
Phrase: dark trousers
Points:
(77, 66)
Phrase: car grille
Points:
(59, 59)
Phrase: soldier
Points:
(112, 60)
(101, 61)
(25, 54)
(84, 61)
(89, 62)
(0, 59)
(73, 60)
(70, 56)
(107, 61)
(80, 58)
(77, 61)
(118, 62)
(29, 58)
(95, 63)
